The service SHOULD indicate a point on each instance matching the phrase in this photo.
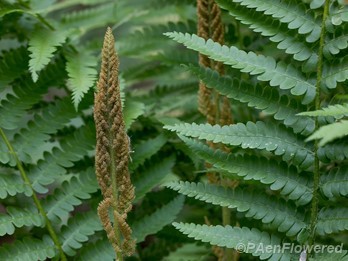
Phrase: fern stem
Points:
(316, 174)
(35, 198)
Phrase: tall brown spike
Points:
(112, 151)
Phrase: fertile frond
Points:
(82, 74)
(332, 220)
(152, 175)
(12, 64)
(255, 204)
(27, 93)
(77, 231)
(73, 148)
(335, 182)
(237, 238)
(28, 249)
(17, 217)
(156, 221)
(64, 199)
(335, 72)
(276, 31)
(295, 15)
(100, 250)
(146, 149)
(330, 132)
(43, 43)
(278, 74)
(263, 98)
(258, 135)
(338, 111)
(281, 177)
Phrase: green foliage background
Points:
(277, 60)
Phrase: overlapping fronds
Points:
(296, 186)
(154, 222)
(258, 135)
(287, 77)
(234, 237)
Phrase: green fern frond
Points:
(42, 44)
(156, 221)
(100, 250)
(18, 217)
(338, 111)
(64, 199)
(335, 182)
(90, 18)
(73, 148)
(330, 132)
(26, 93)
(336, 45)
(78, 230)
(188, 252)
(332, 220)
(152, 175)
(335, 151)
(335, 256)
(257, 135)
(339, 14)
(255, 204)
(276, 31)
(13, 63)
(335, 72)
(295, 15)
(132, 110)
(11, 184)
(236, 238)
(82, 74)
(146, 149)
(278, 74)
(280, 177)
(263, 98)
(29, 249)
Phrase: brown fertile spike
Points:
(112, 152)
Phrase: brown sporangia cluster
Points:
(215, 108)
(112, 152)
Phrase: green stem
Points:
(35, 198)
(316, 174)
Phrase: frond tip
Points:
(112, 151)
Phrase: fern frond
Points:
(255, 204)
(188, 252)
(154, 222)
(132, 110)
(338, 111)
(235, 237)
(336, 45)
(257, 135)
(64, 199)
(339, 14)
(28, 249)
(73, 148)
(152, 175)
(77, 231)
(18, 217)
(332, 220)
(335, 182)
(278, 74)
(330, 132)
(335, 151)
(26, 93)
(146, 149)
(280, 177)
(263, 98)
(12, 184)
(13, 63)
(100, 250)
(276, 31)
(335, 256)
(295, 15)
(335, 72)
(82, 74)
(42, 44)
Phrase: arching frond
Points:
(252, 135)
(279, 74)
